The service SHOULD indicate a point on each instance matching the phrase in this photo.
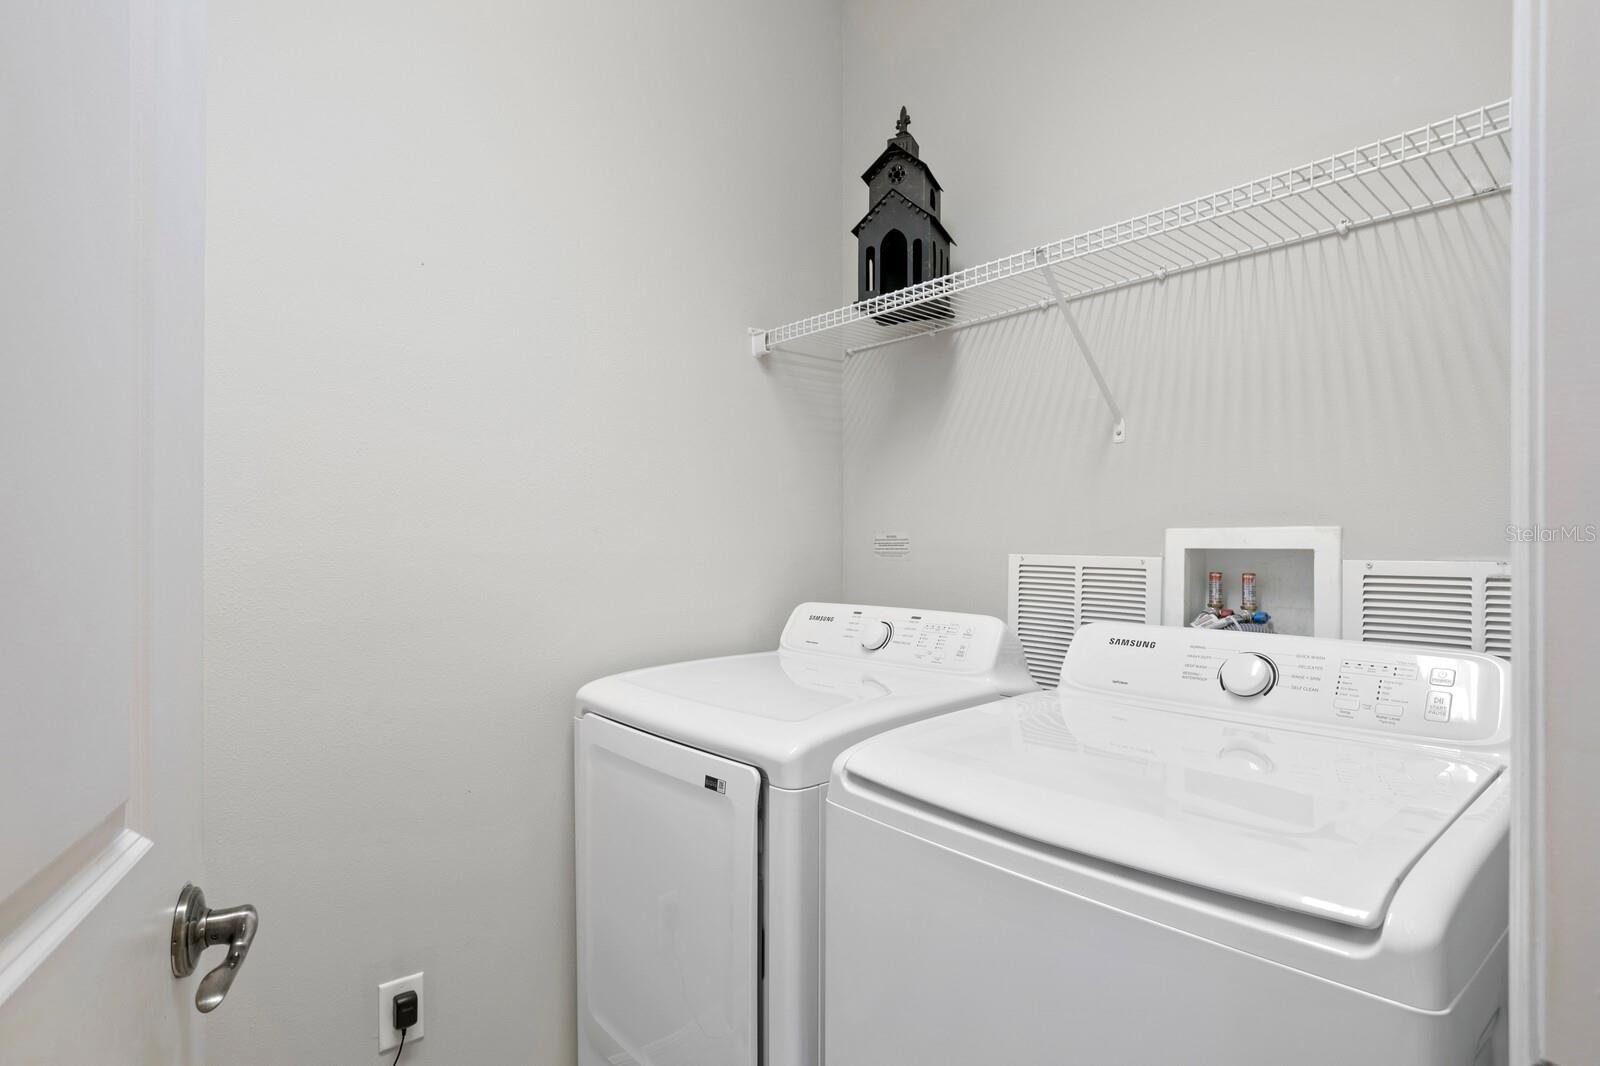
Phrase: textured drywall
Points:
(1357, 382)
(483, 425)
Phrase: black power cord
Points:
(406, 1012)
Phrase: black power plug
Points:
(405, 1009)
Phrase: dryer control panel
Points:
(1453, 697)
(898, 636)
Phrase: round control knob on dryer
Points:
(1248, 675)
(875, 635)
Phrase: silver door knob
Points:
(195, 928)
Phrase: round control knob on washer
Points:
(875, 635)
(1248, 675)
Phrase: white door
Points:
(101, 121)
(668, 902)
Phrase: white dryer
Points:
(699, 825)
(1204, 848)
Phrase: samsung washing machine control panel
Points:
(1449, 696)
(895, 636)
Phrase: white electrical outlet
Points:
(388, 1035)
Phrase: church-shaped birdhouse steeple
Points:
(901, 241)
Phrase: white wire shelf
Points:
(1454, 160)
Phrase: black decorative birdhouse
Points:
(901, 240)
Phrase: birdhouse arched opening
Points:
(893, 262)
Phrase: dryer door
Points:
(668, 854)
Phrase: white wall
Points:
(1357, 382)
(482, 426)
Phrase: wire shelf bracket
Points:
(1456, 160)
(1119, 427)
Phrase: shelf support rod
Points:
(1119, 428)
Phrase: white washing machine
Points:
(1204, 848)
(699, 825)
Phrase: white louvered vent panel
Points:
(1497, 616)
(1463, 606)
(1413, 609)
(1044, 614)
(1115, 594)
(1051, 596)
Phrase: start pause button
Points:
(1438, 707)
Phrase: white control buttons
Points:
(1248, 675)
(1439, 675)
(874, 635)
(1438, 707)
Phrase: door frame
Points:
(1527, 919)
